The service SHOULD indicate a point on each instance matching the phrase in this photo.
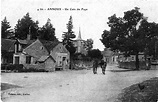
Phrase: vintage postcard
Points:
(79, 50)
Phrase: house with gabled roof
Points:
(41, 54)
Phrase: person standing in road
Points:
(95, 65)
(103, 66)
(148, 64)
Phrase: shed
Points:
(48, 62)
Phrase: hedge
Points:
(11, 67)
(20, 68)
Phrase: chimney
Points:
(29, 35)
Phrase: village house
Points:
(109, 56)
(7, 51)
(41, 54)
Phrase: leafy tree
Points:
(47, 32)
(67, 40)
(128, 34)
(24, 26)
(5, 26)
(150, 30)
(88, 44)
(95, 54)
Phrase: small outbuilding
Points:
(47, 62)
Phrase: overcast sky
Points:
(92, 19)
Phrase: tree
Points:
(127, 34)
(88, 44)
(95, 54)
(150, 30)
(24, 26)
(6, 31)
(67, 40)
(68, 36)
(47, 32)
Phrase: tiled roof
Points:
(7, 45)
(26, 42)
(44, 58)
(49, 45)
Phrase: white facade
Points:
(121, 58)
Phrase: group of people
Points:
(102, 64)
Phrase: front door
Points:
(17, 60)
(64, 62)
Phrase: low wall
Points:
(154, 66)
(36, 66)
(39, 66)
(82, 64)
(131, 65)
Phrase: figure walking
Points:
(148, 64)
(95, 65)
(103, 65)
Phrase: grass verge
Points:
(5, 86)
(134, 94)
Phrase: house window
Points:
(64, 58)
(60, 63)
(16, 48)
(20, 48)
(41, 47)
(28, 59)
(132, 58)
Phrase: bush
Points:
(12, 67)
(3, 66)
(31, 69)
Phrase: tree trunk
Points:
(137, 61)
(145, 54)
(71, 63)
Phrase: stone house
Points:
(41, 54)
(47, 62)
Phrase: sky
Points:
(90, 15)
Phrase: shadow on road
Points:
(5, 86)
(120, 70)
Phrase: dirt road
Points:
(72, 86)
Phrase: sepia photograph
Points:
(79, 51)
